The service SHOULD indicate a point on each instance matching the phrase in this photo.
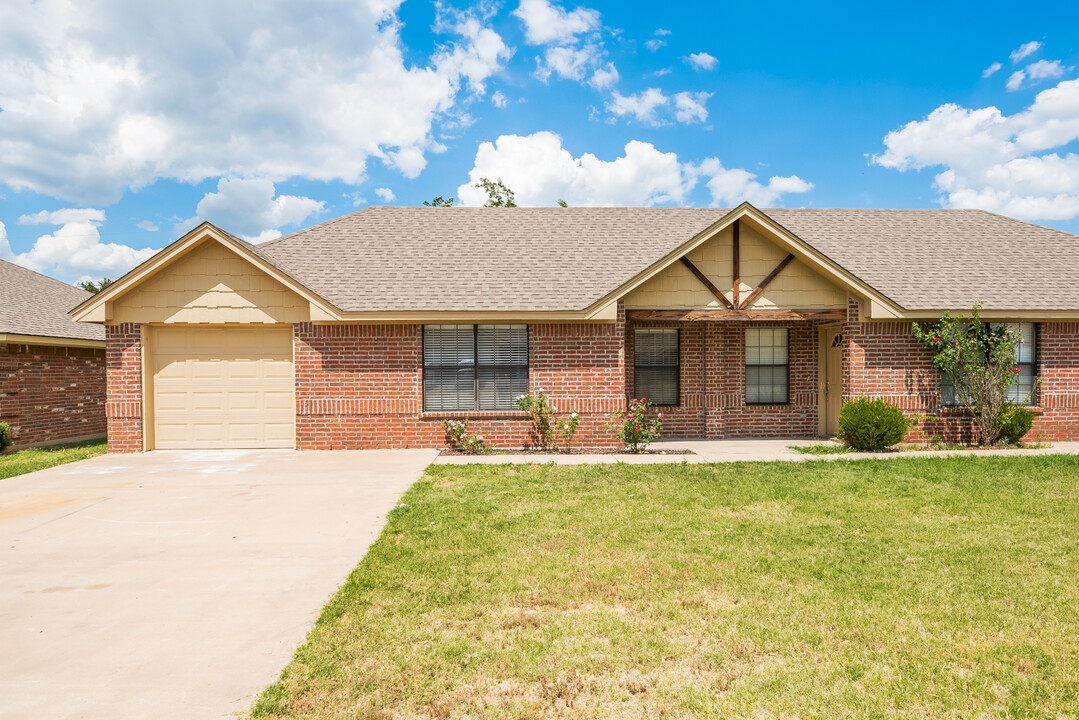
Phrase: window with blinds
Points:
(767, 366)
(1022, 390)
(655, 365)
(474, 367)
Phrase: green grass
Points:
(822, 449)
(24, 461)
(899, 588)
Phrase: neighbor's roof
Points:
(538, 259)
(36, 305)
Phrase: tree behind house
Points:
(498, 195)
(95, 287)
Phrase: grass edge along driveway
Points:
(21, 462)
(921, 587)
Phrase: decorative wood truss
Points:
(735, 315)
(737, 309)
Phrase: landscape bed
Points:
(899, 588)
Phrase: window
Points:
(655, 365)
(1022, 390)
(474, 367)
(767, 366)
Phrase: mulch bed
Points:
(576, 451)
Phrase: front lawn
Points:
(24, 461)
(898, 588)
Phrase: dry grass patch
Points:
(906, 588)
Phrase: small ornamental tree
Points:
(980, 361)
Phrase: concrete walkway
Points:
(712, 451)
(177, 584)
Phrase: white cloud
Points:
(75, 251)
(546, 23)
(498, 99)
(569, 63)
(690, 106)
(1045, 70)
(701, 60)
(385, 194)
(5, 246)
(273, 90)
(540, 171)
(63, 217)
(991, 70)
(604, 77)
(251, 209)
(1012, 164)
(661, 32)
(654, 44)
(644, 106)
(733, 186)
(148, 226)
(641, 106)
(1036, 72)
(1025, 50)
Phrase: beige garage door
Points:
(222, 387)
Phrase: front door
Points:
(831, 378)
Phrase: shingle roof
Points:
(521, 259)
(33, 304)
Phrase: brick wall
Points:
(1058, 393)
(361, 386)
(52, 394)
(713, 383)
(883, 359)
(123, 357)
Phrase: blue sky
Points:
(123, 124)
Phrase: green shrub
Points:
(5, 436)
(872, 425)
(1015, 422)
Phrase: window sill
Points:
(474, 415)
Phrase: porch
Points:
(727, 374)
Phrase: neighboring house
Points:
(371, 329)
(52, 369)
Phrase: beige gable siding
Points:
(796, 287)
(211, 284)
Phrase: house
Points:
(369, 330)
(52, 369)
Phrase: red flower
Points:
(638, 427)
(644, 400)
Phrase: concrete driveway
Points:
(177, 584)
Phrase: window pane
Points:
(655, 346)
(448, 345)
(1024, 353)
(503, 344)
(1021, 391)
(500, 386)
(658, 385)
(449, 388)
(947, 391)
(766, 365)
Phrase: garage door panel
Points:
(223, 387)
